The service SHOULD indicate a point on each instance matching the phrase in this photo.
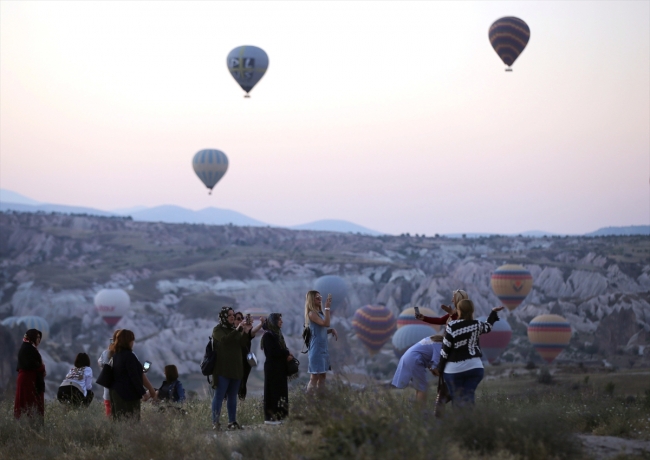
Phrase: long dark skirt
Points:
(123, 409)
(29, 400)
(276, 391)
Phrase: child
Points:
(171, 389)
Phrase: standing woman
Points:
(319, 326)
(276, 389)
(452, 312)
(228, 342)
(30, 385)
(127, 389)
(460, 357)
(104, 358)
(239, 319)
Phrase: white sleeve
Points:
(88, 378)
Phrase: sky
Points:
(397, 116)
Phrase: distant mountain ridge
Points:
(12, 201)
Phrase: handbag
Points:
(106, 376)
(293, 368)
(442, 398)
(252, 359)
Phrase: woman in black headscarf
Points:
(276, 389)
(30, 385)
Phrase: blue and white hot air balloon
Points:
(28, 322)
(210, 165)
(247, 64)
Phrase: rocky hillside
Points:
(178, 276)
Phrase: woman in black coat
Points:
(30, 385)
(128, 387)
(276, 389)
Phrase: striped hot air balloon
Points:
(409, 335)
(408, 317)
(549, 334)
(210, 165)
(495, 342)
(247, 65)
(28, 322)
(374, 325)
(509, 36)
(511, 284)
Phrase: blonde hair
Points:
(310, 304)
(459, 295)
(465, 309)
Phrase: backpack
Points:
(306, 337)
(209, 360)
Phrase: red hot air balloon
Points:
(509, 36)
(549, 334)
(374, 325)
(511, 284)
(112, 304)
(495, 342)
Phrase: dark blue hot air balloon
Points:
(509, 36)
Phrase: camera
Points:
(417, 310)
(146, 366)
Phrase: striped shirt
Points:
(461, 340)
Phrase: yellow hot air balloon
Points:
(549, 334)
(511, 283)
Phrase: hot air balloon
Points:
(495, 342)
(28, 322)
(409, 335)
(112, 304)
(408, 317)
(549, 334)
(374, 325)
(247, 64)
(335, 285)
(511, 284)
(509, 36)
(210, 165)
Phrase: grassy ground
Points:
(515, 418)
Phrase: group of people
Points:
(454, 357)
(232, 339)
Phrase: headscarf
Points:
(32, 335)
(272, 327)
(223, 318)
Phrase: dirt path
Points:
(605, 447)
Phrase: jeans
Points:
(462, 385)
(225, 387)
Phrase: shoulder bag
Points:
(106, 377)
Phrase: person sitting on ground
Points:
(452, 313)
(171, 389)
(77, 387)
(413, 365)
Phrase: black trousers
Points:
(70, 394)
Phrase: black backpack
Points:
(209, 360)
(306, 337)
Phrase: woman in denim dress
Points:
(319, 325)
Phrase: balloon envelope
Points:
(28, 322)
(549, 334)
(408, 317)
(247, 64)
(210, 165)
(112, 304)
(335, 285)
(509, 36)
(495, 342)
(374, 325)
(511, 284)
(409, 335)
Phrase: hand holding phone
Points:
(146, 366)
(417, 311)
(248, 319)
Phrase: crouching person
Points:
(76, 388)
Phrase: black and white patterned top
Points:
(461, 340)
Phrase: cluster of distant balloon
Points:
(248, 64)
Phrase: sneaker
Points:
(216, 427)
(234, 426)
(272, 422)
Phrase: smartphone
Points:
(417, 310)
(248, 319)
(146, 365)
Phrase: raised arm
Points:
(314, 318)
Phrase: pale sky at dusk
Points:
(394, 115)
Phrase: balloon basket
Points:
(508, 70)
(247, 96)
